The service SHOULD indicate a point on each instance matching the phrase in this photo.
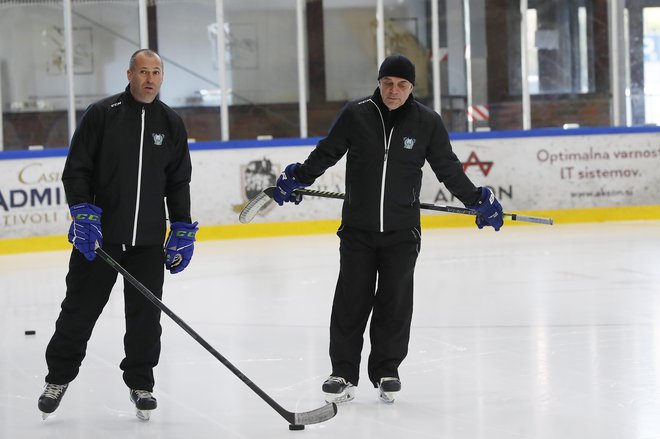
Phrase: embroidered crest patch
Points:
(158, 138)
(408, 142)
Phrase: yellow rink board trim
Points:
(260, 230)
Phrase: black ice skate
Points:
(50, 398)
(144, 403)
(337, 390)
(388, 387)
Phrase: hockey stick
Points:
(264, 197)
(321, 414)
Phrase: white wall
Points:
(526, 173)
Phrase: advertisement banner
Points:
(526, 173)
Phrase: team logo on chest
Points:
(408, 142)
(158, 138)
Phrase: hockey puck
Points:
(296, 427)
(30, 332)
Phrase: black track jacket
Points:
(126, 157)
(386, 153)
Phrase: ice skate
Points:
(388, 387)
(144, 403)
(337, 389)
(50, 398)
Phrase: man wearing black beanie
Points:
(399, 66)
(388, 137)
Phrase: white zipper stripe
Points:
(139, 182)
(386, 143)
(382, 184)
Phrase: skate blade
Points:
(387, 397)
(143, 415)
(347, 395)
(44, 416)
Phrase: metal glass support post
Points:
(617, 61)
(468, 64)
(144, 24)
(2, 139)
(435, 61)
(222, 69)
(380, 32)
(302, 71)
(68, 58)
(524, 69)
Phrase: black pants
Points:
(376, 274)
(88, 290)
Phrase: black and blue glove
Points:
(489, 210)
(286, 184)
(85, 230)
(179, 246)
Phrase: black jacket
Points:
(386, 152)
(126, 157)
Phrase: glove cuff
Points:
(179, 225)
(487, 197)
(97, 210)
(290, 171)
(181, 230)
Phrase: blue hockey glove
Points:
(179, 246)
(85, 229)
(489, 210)
(286, 184)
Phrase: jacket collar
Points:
(135, 104)
(378, 99)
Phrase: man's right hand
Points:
(286, 184)
(85, 229)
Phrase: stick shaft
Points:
(466, 211)
(427, 206)
(290, 417)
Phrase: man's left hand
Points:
(489, 210)
(179, 246)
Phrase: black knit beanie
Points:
(399, 66)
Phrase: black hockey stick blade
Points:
(252, 208)
(321, 414)
(264, 197)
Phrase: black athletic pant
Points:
(88, 290)
(375, 274)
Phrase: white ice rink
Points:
(533, 332)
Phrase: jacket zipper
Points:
(386, 143)
(139, 180)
